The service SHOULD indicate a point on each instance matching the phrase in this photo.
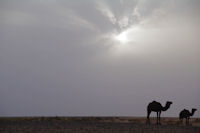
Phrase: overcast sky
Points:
(98, 57)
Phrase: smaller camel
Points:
(186, 114)
(158, 108)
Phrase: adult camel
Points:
(158, 108)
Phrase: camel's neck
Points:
(191, 114)
(166, 107)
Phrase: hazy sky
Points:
(98, 57)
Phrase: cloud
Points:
(104, 9)
(69, 17)
(18, 18)
(64, 54)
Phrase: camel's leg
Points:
(148, 114)
(187, 121)
(181, 120)
(157, 117)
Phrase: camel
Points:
(158, 108)
(186, 114)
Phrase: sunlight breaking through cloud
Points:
(98, 57)
(122, 37)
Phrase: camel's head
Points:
(193, 110)
(169, 102)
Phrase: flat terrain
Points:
(94, 125)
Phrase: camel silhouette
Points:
(158, 108)
(186, 114)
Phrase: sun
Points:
(122, 37)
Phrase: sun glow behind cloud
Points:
(133, 32)
(122, 37)
(125, 31)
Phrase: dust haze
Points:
(62, 58)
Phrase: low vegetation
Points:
(95, 125)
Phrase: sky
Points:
(98, 57)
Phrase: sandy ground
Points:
(94, 125)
